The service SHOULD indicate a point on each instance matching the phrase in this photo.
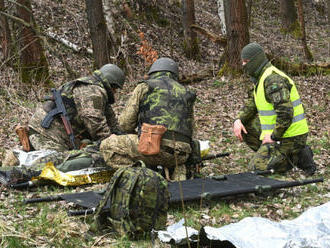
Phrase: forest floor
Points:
(218, 101)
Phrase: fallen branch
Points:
(298, 69)
(212, 36)
(16, 19)
(292, 69)
(69, 44)
(196, 77)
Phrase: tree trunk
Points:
(190, 37)
(4, 34)
(107, 7)
(249, 11)
(98, 32)
(328, 11)
(221, 14)
(33, 63)
(308, 53)
(288, 13)
(237, 35)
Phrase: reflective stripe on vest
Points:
(267, 114)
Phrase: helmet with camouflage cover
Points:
(164, 64)
(112, 74)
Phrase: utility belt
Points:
(172, 135)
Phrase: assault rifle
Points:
(59, 110)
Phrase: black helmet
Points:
(164, 64)
(113, 75)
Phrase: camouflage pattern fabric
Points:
(138, 200)
(40, 142)
(122, 150)
(93, 117)
(72, 160)
(168, 103)
(279, 157)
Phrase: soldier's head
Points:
(253, 58)
(112, 75)
(164, 64)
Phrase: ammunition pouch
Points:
(150, 139)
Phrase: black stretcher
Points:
(192, 190)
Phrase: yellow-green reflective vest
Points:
(267, 114)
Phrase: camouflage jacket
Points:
(94, 118)
(277, 92)
(128, 119)
(168, 103)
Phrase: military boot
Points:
(306, 161)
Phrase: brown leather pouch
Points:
(150, 139)
(22, 132)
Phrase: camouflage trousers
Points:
(122, 151)
(40, 142)
(64, 159)
(71, 160)
(280, 156)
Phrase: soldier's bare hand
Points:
(238, 128)
(267, 139)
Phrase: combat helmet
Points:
(112, 74)
(164, 64)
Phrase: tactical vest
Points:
(267, 114)
(67, 93)
(170, 104)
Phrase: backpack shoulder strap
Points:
(108, 192)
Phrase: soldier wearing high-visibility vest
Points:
(273, 123)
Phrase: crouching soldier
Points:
(273, 122)
(162, 111)
(77, 111)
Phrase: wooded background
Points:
(45, 43)
(27, 41)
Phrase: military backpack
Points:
(134, 204)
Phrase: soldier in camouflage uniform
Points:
(88, 103)
(273, 122)
(160, 100)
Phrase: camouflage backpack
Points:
(135, 203)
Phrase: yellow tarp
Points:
(74, 178)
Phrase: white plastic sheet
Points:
(27, 158)
(178, 233)
(311, 229)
